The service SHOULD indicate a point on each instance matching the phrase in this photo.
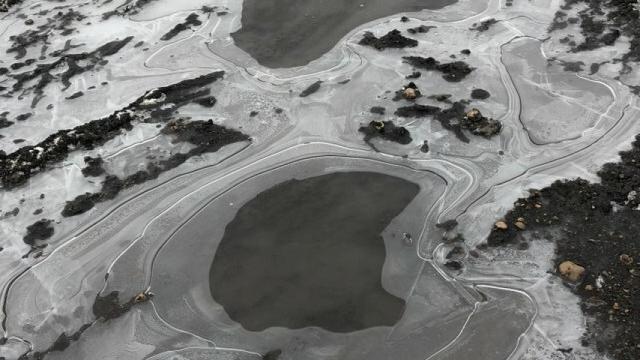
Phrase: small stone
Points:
(626, 259)
(520, 225)
(501, 225)
(616, 306)
(473, 114)
(142, 297)
(409, 93)
(589, 287)
(570, 270)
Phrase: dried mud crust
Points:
(155, 106)
(595, 226)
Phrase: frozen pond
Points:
(218, 214)
(309, 253)
(287, 33)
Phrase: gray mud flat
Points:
(288, 33)
(309, 253)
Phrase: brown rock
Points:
(409, 93)
(570, 270)
(501, 225)
(589, 287)
(520, 225)
(473, 114)
(626, 259)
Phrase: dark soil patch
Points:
(452, 72)
(480, 94)
(393, 39)
(455, 119)
(207, 136)
(288, 258)
(94, 166)
(377, 110)
(16, 168)
(39, 231)
(422, 29)
(75, 95)
(386, 130)
(311, 89)
(191, 20)
(128, 8)
(484, 25)
(595, 226)
(75, 64)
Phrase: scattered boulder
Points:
(501, 225)
(570, 271)
(480, 125)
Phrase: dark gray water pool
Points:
(309, 253)
(288, 33)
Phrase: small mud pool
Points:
(288, 33)
(310, 253)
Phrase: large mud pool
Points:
(287, 33)
(310, 253)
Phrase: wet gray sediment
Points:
(309, 253)
(289, 33)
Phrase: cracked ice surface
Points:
(502, 304)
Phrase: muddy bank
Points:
(309, 253)
(288, 33)
(595, 228)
